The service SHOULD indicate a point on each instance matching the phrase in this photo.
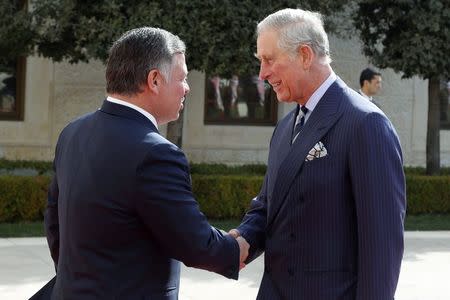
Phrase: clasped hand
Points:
(243, 247)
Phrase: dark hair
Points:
(367, 74)
(135, 54)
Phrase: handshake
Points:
(243, 247)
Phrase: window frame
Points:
(270, 121)
(18, 113)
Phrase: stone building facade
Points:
(56, 93)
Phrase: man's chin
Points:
(280, 98)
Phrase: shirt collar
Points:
(132, 106)
(364, 95)
(318, 94)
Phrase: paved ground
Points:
(25, 266)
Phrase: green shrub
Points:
(422, 171)
(225, 196)
(222, 169)
(41, 167)
(23, 198)
(428, 194)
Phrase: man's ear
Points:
(154, 81)
(306, 55)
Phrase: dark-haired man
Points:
(121, 213)
(370, 83)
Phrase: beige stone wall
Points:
(56, 93)
(31, 138)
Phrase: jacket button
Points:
(292, 236)
(291, 272)
(301, 199)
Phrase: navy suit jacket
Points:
(331, 227)
(121, 213)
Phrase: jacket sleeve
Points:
(166, 205)
(253, 226)
(378, 184)
(51, 218)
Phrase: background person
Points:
(370, 83)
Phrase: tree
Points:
(411, 37)
(220, 35)
(16, 33)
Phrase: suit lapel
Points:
(319, 123)
(280, 149)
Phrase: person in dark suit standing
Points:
(121, 214)
(330, 212)
(370, 83)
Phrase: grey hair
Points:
(135, 54)
(298, 27)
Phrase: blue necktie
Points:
(302, 113)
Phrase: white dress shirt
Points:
(132, 106)
(365, 96)
(316, 96)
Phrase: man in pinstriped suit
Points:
(330, 213)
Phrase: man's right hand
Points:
(243, 248)
(234, 233)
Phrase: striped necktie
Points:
(301, 113)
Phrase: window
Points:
(444, 96)
(12, 85)
(239, 100)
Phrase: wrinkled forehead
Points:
(267, 43)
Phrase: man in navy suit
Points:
(330, 213)
(121, 213)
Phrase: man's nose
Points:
(263, 72)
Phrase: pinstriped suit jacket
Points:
(332, 227)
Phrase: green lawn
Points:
(412, 223)
(424, 222)
(25, 229)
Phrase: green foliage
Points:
(22, 198)
(41, 167)
(16, 33)
(428, 194)
(409, 36)
(22, 229)
(225, 196)
(221, 169)
(219, 34)
(427, 222)
(422, 171)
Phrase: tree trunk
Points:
(175, 131)
(433, 144)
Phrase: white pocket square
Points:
(317, 151)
